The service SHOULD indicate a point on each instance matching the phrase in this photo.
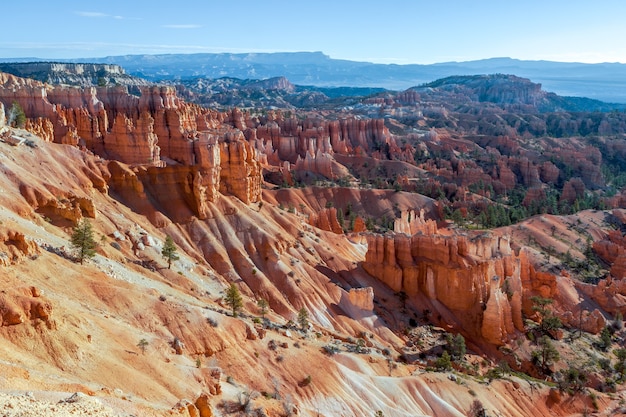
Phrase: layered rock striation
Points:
(197, 149)
(474, 282)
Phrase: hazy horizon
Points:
(399, 32)
(84, 59)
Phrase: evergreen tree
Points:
(549, 321)
(443, 363)
(620, 366)
(83, 241)
(606, 339)
(233, 299)
(169, 251)
(262, 304)
(303, 318)
(17, 118)
(455, 346)
(546, 355)
(143, 344)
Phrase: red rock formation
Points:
(362, 298)
(612, 249)
(14, 247)
(133, 142)
(60, 205)
(534, 195)
(359, 225)
(22, 304)
(528, 171)
(153, 129)
(310, 144)
(460, 272)
(506, 175)
(3, 120)
(572, 190)
(326, 219)
(411, 223)
(240, 173)
(610, 294)
(549, 172)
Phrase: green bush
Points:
(444, 362)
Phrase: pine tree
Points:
(83, 241)
(620, 366)
(547, 354)
(455, 346)
(303, 318)
(263, 305)
(549, 321)
(444, 362)
(17, 118)
(169, 251)
(233, 299)
(143, 344)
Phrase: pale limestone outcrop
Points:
(3, 120)
(411, 223)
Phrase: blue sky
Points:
(392, 31)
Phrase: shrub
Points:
(618, 323)
(444, 362)
(549, 321)
(477, 409)
(330, 349)
(620, 366)
(143, 344)
(573, 380)
(306, 381)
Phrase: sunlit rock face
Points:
(475, 280)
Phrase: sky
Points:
(391, 31)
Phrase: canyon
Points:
(346, 217)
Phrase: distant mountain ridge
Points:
(78, 74)
(606, 82)
(508, 91)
